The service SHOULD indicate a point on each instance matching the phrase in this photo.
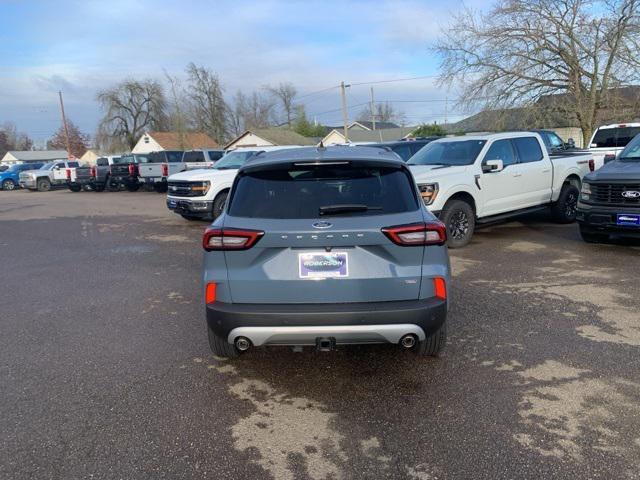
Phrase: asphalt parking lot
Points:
(105, 370)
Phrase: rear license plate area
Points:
(628, 220)
(323, 265)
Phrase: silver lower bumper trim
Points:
(343, 334)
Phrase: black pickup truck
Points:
(610, 198)
(94, 178)
(124, 172)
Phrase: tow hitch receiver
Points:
(325, 344)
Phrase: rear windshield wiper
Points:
(346, 208)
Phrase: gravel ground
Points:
(105, 371)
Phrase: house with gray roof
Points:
(34, 156)
(269, 137)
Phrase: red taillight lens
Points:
(417, 234)
(92, 172)
(210, 293)
(440, 288)
(592, 165)
(68, 174)
(230, 239)
(133, 170)
(165, 170)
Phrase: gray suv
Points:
(324, 247)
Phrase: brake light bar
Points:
(133, 170)
(92, 172)
(68, 174)
(417, 234)
(230, 239)
(165, 170)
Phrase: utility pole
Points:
(446, 104)
(345, 115)
(64, 123)
(373, 110)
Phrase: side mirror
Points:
(571, 143)
(492, 166)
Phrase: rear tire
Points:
(218, 204)
(43, 185)
(460, 220)
(220, 347)
(565, 209)
(75, 188)
(591, 237)
(113, 187)
(433, 345)
(8, 185)
(99, 187)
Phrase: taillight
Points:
(165, 170)
(440, 288)
(92, 172)
(133, 170)
(68, 174)
(592, 165)
(210, 293)
(416, 234)
(230, 239)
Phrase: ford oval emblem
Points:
(322, 225)
(631, 194)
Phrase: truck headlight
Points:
(585, 193)
(428, 192)
(201, 188)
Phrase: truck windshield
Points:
(461, 152)
(632, 152)
(234, 160)
(47, 166)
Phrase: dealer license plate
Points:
(626, 219)
(323, 265)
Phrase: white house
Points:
(268, 137)
(158, 141)
(25, 156)
(336, 136)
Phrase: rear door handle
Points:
(547, 170)
(517, 174)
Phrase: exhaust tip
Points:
(242, 343)
(408, 341)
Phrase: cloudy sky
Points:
(81, 46)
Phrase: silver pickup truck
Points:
(50, 175)
(154, 173)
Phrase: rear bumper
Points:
(603, 219)
(123, 179)
(347, 323)
(196, 208)
(153, 180)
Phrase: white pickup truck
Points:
(483, 179)
(201, 194)
(609, 140)
(160, 165)
(50, 175)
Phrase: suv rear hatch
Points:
(319, 234)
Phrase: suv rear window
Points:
(193, 157)
(614, 137)
(301, 191)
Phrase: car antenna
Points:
(321, 146)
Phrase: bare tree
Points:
(235, 119)
(78, 141)
(285, 94)
(177, 116)
(12, 139)
(131, 107)
(384, 112)
(254, 111)
(207, 103)
(522, 50)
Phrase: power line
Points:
(393, 80)
(317, 91)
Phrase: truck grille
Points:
(611, 193)
(184, 189)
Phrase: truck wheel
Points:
(8, 185)
(591, 237)
(98, 187)
(43, 185)
(565, 209)
(460, 220)
(218, 203)
(113, 186)
(133, 187)
(220, 347)
(434, 344)
(75, 188)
